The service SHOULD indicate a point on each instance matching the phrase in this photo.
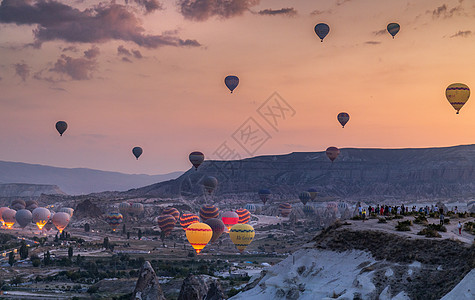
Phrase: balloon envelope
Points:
(40, 216)
(208, 212)
(264, 195)
(244, 215)
(2, 209)
(166, 223)
(457, 94)
(61, 127)
(251, 208)
(313, 193)
(67, 210)
(343, 118)
(114, 219)
(171, 211)
(230, 218)
(188, 219)
(125, 207)
(304, 197)
(210, 183)
(231, 82)
(23, 217)
(218, 228)
(9, 217)
(332, 153)
(322, 30)
(199, 235)
(285, 209)
(137, 151)
(196, 159)
(393, 28)
(241, 235)
(136, 208)
(61, 220)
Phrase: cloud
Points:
(202, 10)
(444, 12)
(320, 12)
(22, 70)
(76, 68)
(71, 48)
(92, 53)
(341, 2)
(148, 5)
(290, 11)
(372, 42)
(461, 33)
(137, 54)
(99, 24)
(121, 50)
(380, 32)
(126, 59)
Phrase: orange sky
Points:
(173, 100)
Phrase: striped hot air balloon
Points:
(124, 208)
(166, 224)
(241, 235)
(114, 219)
(188, 219)
(457, 94)
(171, 211)
(244, 215)
(208, 212)
(304, 197)
(308, 210)
(218, 228)
(136, 209)
(199, 235)
(251, 208)
(230, 218)
(313, 193)
(285, 209)
(196, 159)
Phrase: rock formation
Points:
(147, 287)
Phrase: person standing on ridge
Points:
(459, 226)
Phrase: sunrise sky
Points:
(150, 73)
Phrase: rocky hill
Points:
(357, 174)
(28, 190)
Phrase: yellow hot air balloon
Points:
(457, 94)
(241, 235)
(199, 234)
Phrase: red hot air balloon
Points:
(332, 153)
(230, 218)
(244, 215)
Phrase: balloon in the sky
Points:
(171, 211)
(230, 218)
(199, 235)
(393, 28)
(244, 215)
(8, 216)
(61, 127)
(264, 195)
(23, 217)
(343, 118)
(61, 220)
(208, 212)
(251, 208)
(322, 29)
(457, 94)
(40, 216)
(137, 151)
(2, 209)
(218, 228)
(68, 210)
(196, 159)
(332, 153)
(304, 197)
(166, 223)
(231, 82)
(114, 219)
(285, 209)
(210, 183)
(241, 235)
(313, 193)
(188, 219)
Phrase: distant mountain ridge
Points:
(28, 190)
(77, 180)
(360, 174)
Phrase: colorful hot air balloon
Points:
(457, 94)
(61, 127)
(241, 235)
(124, 208)
(285, 209)
(332, 153)
(231, 82)
(166, 223)
(199, 235)
(23, 217)
(2, 209)
(137, 151)
(244, 215)
(171, 211)
(343, 118)
(188, 219)
(304, 197)
(218, 228)
(40, 216)
(230, 218)
(8, 216)
(210, 183)
(313, 193)
(251, 208)
(322, 29)
(114, 219)
(264, 195)
(208, 212)
(393, 29)
(196, 159)
(67, 210)
(61, 220)
(332, 207)
(308, 210)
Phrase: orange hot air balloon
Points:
(230, 218)
(40, 216)
(241, 235)
(9, 217)
(332, 153)
(188, 219)
(61, 220)
(244, 215)
(199, 235)
(171, 211)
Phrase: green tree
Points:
(11, 258)
(87, 227)
(70, 252)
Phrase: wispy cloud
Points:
(92, 53)
(380, 32)
(290, 11)
(463, 34)
(148, 5)
(372, 42)
(22, 70)
(444, 11)
(202, 10)
(76, 68)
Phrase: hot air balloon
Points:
(196, 159)
(332, 207)
(137, 151)
(61, 220)
(457, 94)
(313, 193)
(285, 209)
(199, 235)
(230, 218)
(208, 212)
(18, 204)
(2, 209)
(136, 209)
(210, 183)
(241, 235)
(67, 210)
(166, 223)
(343, 118)
(31, 204)
(124, 208)
(322, 29)
(171, 211)
(23, 217)
(264, 195)
(332, 153)
(393, 28)
(49, 225)
(8, 216)
(40, 216)
(188, 219)
(218, 228)
(308, 210)
(244, 215)
(251, 208)
(114, 219)
(61, 127)
(231, 82)
(304, 197)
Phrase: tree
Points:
(128, 235)
(47, 258)
(70, 252)
(139, 234)
(123, 229)
(23, 250)
(11, 258)
(78, 259)
(87, 227)
(105, 244)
